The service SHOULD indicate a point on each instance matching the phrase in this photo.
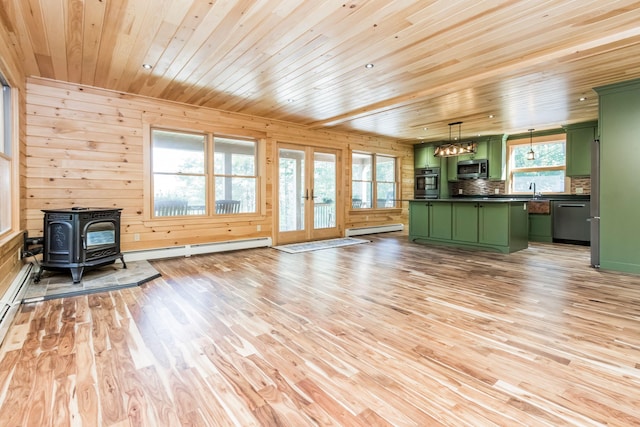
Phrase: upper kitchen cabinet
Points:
(491, 148)
(423, 156)
(496, 154)
(579, 137)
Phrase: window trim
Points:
(155, 121)
(526, 140)
(374, 181)
(10, 142)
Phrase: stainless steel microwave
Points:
(473, 169)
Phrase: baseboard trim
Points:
(203, 248)
(372, 230)
(10, 302)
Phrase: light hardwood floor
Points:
(385, 333)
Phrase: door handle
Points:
(571, 206)
(306, 194)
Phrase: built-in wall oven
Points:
(427, 183)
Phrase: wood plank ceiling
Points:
(526, 63)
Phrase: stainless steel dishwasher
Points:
(571, 221)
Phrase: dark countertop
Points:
(477, 199)
(507, 198)
(525, 197)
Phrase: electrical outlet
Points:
(136, 237)
(259, 227)
(579, 190)
(496, 191)
(459, 190)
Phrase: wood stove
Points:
(79, 238)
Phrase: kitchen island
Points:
(499, 224)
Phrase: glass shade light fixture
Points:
(530, 154)
(455, 148)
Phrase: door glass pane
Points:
(291, 189)
(324, 190)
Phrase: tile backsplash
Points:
(486, 187)
(584, 183)
(476, 187)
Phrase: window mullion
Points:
(210, 178)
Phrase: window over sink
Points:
(547, 170)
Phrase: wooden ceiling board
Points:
(436, 61)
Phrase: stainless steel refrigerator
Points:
(595, 203)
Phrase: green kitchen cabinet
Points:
(423, 156)
(419, 218)
(440, 220)
(619, 127)
(491, 220)
(578, 147)
(500, 225)
(496, 153)
(540, 228)
(491, 148)
(430, 220)
(465, 222)
(452, 168)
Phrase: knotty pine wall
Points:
(85, 147)
(11, 244)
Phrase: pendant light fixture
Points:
(455, 148)
(531, 155)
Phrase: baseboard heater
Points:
(10, 302)
(203, 248)
(372, 230)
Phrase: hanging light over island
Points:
(455, 148)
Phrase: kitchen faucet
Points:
(532, 185)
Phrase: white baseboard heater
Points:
(10, 302)
(372, 230)
(203, 248)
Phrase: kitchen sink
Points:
(539, 206)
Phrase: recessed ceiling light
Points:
(147, 66)
(369, 65)
(491, 116)
(290, 100)
(583, 98)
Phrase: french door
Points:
(308, 197)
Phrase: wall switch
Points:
(259, 227)
(496, 191)
(459, 190)
(136, 237)
(579, 190)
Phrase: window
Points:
(185, 174)
(235, 174)
(6, 181)
(547, 170)
(374, 181)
